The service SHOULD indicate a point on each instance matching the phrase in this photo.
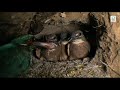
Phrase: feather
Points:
(14, 59)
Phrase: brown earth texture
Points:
(102, 34)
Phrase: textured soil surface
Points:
(67, 69)
(102, 35)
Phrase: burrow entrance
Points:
(93, 30)
(97, 28)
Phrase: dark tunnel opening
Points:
(92, 34)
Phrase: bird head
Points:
(64, 38)
(51, 38)
(23, 40)
(77, 35)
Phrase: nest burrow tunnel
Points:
(94, 29)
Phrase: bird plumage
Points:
(51, 54)
(14, 58)
(78, 47)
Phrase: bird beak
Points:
(44, 44)
(70, 39)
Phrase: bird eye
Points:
(49, 37)
(78, 34)
(53, 38)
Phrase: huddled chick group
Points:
(65, 46)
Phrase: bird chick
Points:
(78, 47)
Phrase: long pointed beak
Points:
(44, 44)
(70, 39)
